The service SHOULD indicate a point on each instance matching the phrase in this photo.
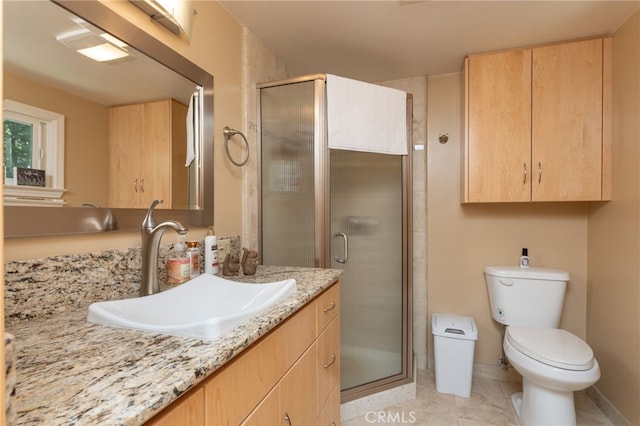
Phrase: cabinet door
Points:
(298, 391)
(498, 142)
(124, 156)
(155, 171)
(567, 121)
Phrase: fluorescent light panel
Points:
(104, 52)
(103, 48)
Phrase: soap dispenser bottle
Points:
(178, 265)
(524, 259)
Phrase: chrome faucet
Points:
(151, 235)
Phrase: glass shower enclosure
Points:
(327, 208)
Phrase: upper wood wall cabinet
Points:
(147, 149)
(538, 124)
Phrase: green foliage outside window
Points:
(18, 141)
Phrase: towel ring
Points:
(228, 134)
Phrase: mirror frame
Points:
(49, 221)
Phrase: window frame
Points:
(53, 141)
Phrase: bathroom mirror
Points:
(153, 74)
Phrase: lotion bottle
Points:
(211, 252)
(524, 259)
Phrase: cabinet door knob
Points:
(287, 418)
(142, 185)
(135, 185)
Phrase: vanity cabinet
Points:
(290, 376)
(147, 151)
(538, 124)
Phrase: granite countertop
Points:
(72, 372)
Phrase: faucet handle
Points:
(148, 219)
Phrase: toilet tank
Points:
(532, 297)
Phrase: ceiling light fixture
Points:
(101, 48)
(176, 15)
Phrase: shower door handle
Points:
(346, 248)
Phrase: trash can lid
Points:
(454, 326)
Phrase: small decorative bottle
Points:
(194, 258)
(178, 266)
(524, 259)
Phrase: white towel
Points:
(193, 124)
(366, 117)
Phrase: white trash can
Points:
(454, 339)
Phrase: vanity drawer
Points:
(327, 307)
(328, 365)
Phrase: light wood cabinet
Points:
(147, 148)
(538, 124)
(309, 394)
(291, 373)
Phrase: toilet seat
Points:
(551, 346)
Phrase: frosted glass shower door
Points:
(367, 241)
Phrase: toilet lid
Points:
(551, 346)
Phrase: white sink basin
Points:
(205, 307)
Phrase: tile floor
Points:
(490, 404)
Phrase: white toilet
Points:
(553, 362)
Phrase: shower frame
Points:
(322, 223)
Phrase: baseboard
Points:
(609, 410)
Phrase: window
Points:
(33, 138)
(22, 143)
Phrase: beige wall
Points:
(86, 137)
(216, 46)
(259, 66)
(613, 314)
(462, 239)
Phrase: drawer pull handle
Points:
(330, 363)
(524, 180)
(287, 418)
(330, 308)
